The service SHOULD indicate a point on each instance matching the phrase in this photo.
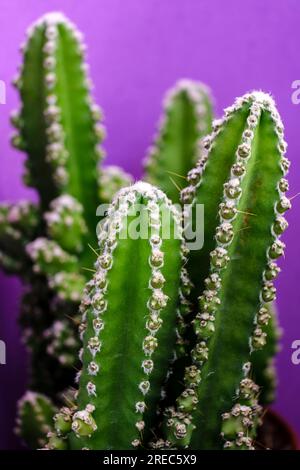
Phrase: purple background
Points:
(137, 49)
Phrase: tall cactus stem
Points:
(238, 286)
(129, 321)
(58, 121)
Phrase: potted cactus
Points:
(173, 345)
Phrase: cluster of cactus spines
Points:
(240, 424)
(129, 323)
(239, 281)
(111, 179)
(18, 225)
(35, 419)
(263, 367)
(187, 118)
(61, 344)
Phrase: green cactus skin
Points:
(249, 144)
(63, 344)
(129, 323)
(187, 118)
(35, 419)
(240, 425)
(58, 128)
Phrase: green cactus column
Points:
(248, 148)
(187, 117)
(58, 129)
(129, 322)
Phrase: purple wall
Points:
(137, 49)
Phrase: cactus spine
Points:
(187, 118)
(238, 275)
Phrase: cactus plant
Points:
(243, 181)
(187, 118)
(182, 342)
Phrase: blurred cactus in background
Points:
(35, 419)
(188, 113)
(176, 347)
